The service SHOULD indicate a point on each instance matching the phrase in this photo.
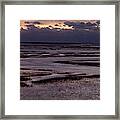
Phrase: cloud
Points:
(64, 25)
(56, 25)
(55, 35)
(32, 22)
(32, 27)
(50, 26)
(82, 25)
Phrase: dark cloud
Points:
(32, 28)
(32, 22)
(56, 25)
(46, 29)
(36, 22)
(56, 35)
(81, 25)
(26, 22)
(50, 26)
(64, 25)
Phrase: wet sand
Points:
(59, 72)
(84, 89)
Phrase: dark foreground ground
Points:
(83, 89)
(59, 72)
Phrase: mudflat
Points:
(59, 72)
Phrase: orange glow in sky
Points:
(50, 23)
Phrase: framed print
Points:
(59, 60)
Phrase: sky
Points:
(60, 31)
